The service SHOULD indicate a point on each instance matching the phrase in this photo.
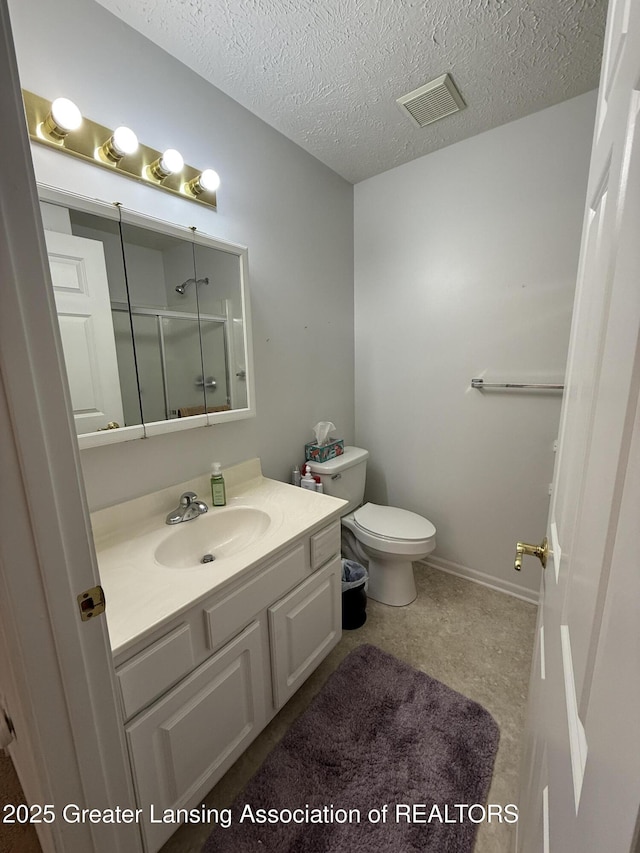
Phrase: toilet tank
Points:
(344, 477)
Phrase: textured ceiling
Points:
(326, 73)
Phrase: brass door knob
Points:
(540, 551)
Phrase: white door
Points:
(580, 784)
(56, 673)
(81, 290)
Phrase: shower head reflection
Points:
(180, 288)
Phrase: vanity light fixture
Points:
(121, 143)
(62, 127)
(63, 118)
(171, 163)
(207, 181)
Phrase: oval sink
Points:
(219, 533)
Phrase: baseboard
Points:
(474, 575)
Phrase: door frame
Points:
(58, 683)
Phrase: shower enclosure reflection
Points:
(167, 337)
(180, 333)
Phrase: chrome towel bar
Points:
(480, 384)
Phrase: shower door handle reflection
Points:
(209, 382)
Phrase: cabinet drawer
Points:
(324, 545)
(304, 626)
(187, 740)
(229, 614)
(154, 670)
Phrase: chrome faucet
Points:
(189, 508)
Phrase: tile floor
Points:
(474, 639)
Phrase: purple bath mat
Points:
(384, 759)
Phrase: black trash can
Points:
(354, 595)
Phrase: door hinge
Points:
(7, 731)
(91, 603)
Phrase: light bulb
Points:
(171, 161)
(63, 118)
(207, 181)
(65, 114)
(124, 141)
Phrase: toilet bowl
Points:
(388, 538)
(391, 539)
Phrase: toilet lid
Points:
(393, 523)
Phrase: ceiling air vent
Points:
(434, 101)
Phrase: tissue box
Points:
(317, 453)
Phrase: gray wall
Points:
(465, 266)
(294, 214)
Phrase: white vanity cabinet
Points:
(201, 688)
(303, 627)
(184, 742)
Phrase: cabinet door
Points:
(184, 743)
(304, 627)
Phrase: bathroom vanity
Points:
(207, 653)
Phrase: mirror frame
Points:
(118, 213)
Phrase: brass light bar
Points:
(88, 144)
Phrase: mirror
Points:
(154, 321)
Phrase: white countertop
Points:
(141, 594)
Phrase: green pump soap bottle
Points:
(218, 491)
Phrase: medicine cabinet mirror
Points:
(154, 321)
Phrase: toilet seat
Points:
(390, 539)
(392, 523)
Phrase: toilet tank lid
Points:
(351, 456)
(394, 523)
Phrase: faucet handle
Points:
(189, 508)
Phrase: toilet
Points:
(386, 537)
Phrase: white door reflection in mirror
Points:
(81, 290)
